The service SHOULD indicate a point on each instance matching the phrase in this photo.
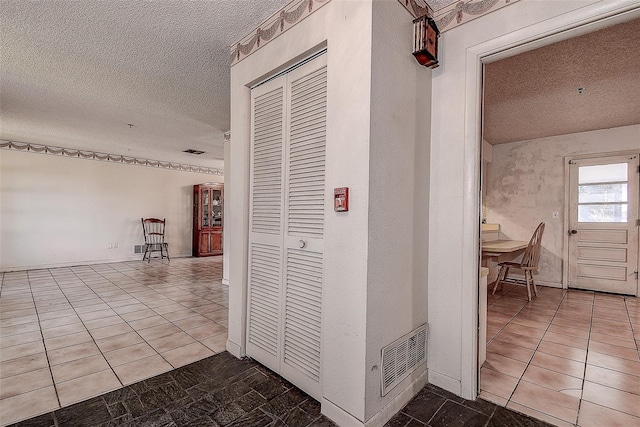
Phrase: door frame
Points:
(553, 30)
(567, 201)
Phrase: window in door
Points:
(603, 193)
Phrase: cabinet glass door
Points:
(216, 208)
(205, 207)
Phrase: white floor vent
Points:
(401, 357)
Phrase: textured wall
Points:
(374, 260)
(525, 184)
(345, 27)
(398, 194)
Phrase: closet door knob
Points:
(302, 244)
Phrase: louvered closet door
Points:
(304, 225)
(287, 224)
(266, 223)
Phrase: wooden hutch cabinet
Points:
(208, 200)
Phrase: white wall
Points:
(226, 214)
(398, 193)
(345, 28)
(59, 211)
(353, 149)
(377, 145)
(526, 183)
(454, 180)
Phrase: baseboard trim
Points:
(338, 415)
(136, 257)
(69, 264)
(537, 282)
(399, 402)
(345, 419)
(446, 382)
(234, 349)
(548, 284)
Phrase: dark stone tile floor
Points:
(224, 391)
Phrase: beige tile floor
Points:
(569, 358)
(68, 334)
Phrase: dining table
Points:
(495, 248)
(494, 251)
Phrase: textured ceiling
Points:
(75, 73)
(534, 94)
(440, 4)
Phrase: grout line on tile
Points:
(436, 412)
(44, 344)
(133, 279)
(586, 359)
(88, 331)
(528, 363)
(633, 331)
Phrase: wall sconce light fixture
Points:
(425, 41)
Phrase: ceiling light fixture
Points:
(130, 125)
(192, 151)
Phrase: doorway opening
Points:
(564, 356)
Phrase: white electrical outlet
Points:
(109, 245)
(115, 245)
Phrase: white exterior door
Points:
(287, 224)
(603, 227)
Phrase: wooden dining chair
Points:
(529, 263)
(153, 229)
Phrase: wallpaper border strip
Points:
(277, 24)
(457, 13)
(104, 157)
(446, 18)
